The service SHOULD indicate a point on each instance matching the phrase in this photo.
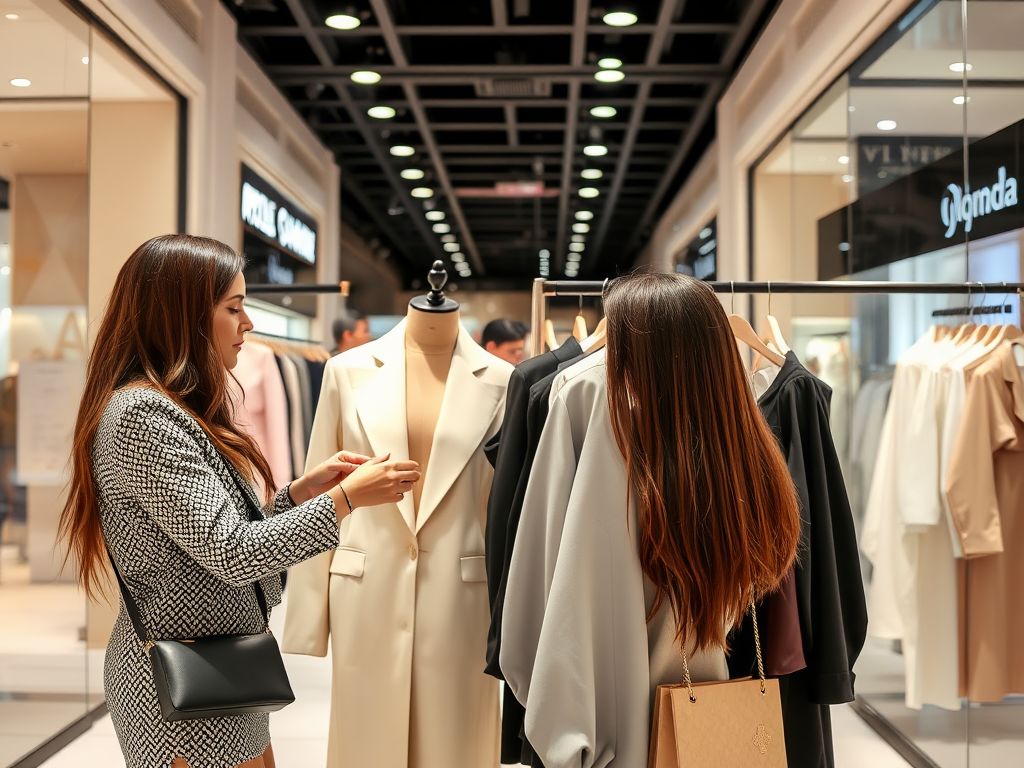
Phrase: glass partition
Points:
(906, 169)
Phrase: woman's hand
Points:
(325, 476)
(380, 481)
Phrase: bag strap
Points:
(255, 515)
(757, 648)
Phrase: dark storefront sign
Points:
(881, 160)
(279, 241)
(929, 209)
(700, 257)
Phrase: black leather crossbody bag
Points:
(218, 675)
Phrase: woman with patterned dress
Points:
(159, 470)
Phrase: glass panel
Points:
(44, 139)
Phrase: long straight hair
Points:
(717, 511)
(157, 332)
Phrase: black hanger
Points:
(435, 301)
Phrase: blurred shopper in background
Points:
(506, 339)
(350, 330)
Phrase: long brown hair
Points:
(717, 510)
(157, 332)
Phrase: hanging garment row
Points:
(280, 380)
(943, 518)
(557, 472)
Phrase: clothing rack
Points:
(542, 289)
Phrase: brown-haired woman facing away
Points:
(156, 465)
(659, 503)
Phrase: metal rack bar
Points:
(273, 288)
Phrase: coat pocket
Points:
(473, 568)
(348, 562)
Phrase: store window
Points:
(700, 256)
(89, 168)
(906, 169)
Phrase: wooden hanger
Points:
(549, 335)
(579, 326)
(742, 330)
(597, 340)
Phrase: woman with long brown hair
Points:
(659, 505)
(162, 477)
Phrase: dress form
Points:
(429, 345)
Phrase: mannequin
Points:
(429, 345)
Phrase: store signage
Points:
(958, 207)
(881, 160)
(270, 213)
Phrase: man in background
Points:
(506, 339)
(351, 330)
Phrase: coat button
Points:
(413, 552)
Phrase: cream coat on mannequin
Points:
(404, 597)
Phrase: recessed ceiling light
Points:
(886, 125)
(578, 238)
(342, 21)
(451, 247)
(21, 82)
(589, 192)
(844, 159)
(603, 111)
(577, 247)
(579, 226)
(457, 257)
(959, 66)
(435, 215)
(961, 100)
(574, 256)
(609, 76)
(847, 178)
(448, 239)
(414, 174)
(591, 173)
(365, 77)
(422, 192)
(609, 63)
(595, 150)
(441, 228)
(11, 16)
(85, 59)
(381, 113)
(401, 150)
(619, 19)
(584, 215)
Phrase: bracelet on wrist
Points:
(347, 499)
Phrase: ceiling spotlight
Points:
(579, 226)
(595, 150)
(85, 59)
(844, 160)
(451, 247)
(847, 178)
(603, 111)
(365, 77)
(574, 257)
(442, 228)
(457, 257)
(609, 76)
(447, 238)
(342, 21)
(591, 173)
(578, 238)
(422, 192)
(577, 247)
(435, 215)
(609, 63)
(886, 125)
(21, 82)
(620, 19)
(401, 150)
(961, 100)
(589, 192)
(959, 66)
(11, 16)
(413, 174)
(584, 215)
(381, 113)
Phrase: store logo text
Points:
(959, 207)
(262, 213)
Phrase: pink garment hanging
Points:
(264, 412)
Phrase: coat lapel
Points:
(380, 402)
(467, 411)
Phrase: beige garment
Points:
(404, 597)
(985, 488)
